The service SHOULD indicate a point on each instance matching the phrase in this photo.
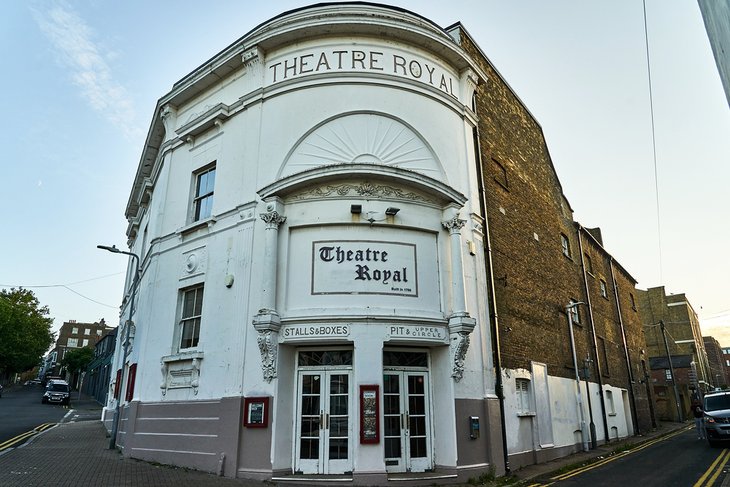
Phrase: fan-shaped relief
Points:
(363, 138)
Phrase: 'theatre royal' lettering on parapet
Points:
(362, 60)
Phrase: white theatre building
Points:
(312, 295)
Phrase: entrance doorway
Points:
(324, 407)
(406, 412)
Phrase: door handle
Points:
(402, 424)
(321, 419)
(407, 428)
(327, 420)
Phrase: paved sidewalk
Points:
(76, 453)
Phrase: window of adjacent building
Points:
(203, 200)
(565, 243)
(609, 403)
(588, 263)
(668, 374)
(727, 362)
(98, 332)
(74, 331)
(633, 301)
(87, 331)
(573, 310)
(523, 395)
(500, 174)
(604, 289)
(72, 342)
(85, 342)
(192, 306)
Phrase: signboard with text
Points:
(364, 267)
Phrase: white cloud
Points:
(73, 41)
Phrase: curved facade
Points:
(312, 294)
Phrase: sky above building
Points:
(81, 80)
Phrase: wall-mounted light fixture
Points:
(391, 211)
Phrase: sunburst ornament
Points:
(363, 138)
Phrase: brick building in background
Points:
(670, 323)
(73, 335)
(718, 373)
(543, 260)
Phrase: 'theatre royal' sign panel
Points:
(364, 267)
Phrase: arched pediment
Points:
(366, 138)
(362, 180)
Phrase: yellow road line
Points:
(24, 436)
(716, 467)
(586, 468)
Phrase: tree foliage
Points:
(77, 359)
(25, 330)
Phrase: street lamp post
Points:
(125, 344)
(579, 401)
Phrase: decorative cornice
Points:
(363, 189)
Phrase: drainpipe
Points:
(593, 332)
(632, 398)
(491, 301)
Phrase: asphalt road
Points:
(681, 460)
(21, 411)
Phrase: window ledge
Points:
(190, 228)
(178, 357)
(528, 414)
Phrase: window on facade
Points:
(523, 395)
(192, 307)
(74, 331)
(633, 301)
(565, 244)
(98, 332)
(668, 374)
(604, 290)
(85, 342)
(588, 263)
(203, 201)
(72, 342)
(727, 362)
(131, 377)
(573, 310)
(87, 331)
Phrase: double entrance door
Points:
(324, 426)
(326, 419)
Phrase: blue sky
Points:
(81, 79)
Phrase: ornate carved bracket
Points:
(459, 347)
(268, 346)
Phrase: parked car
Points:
(717, 417)
(57, 391)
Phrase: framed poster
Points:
(256, 412)
(369, 417)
